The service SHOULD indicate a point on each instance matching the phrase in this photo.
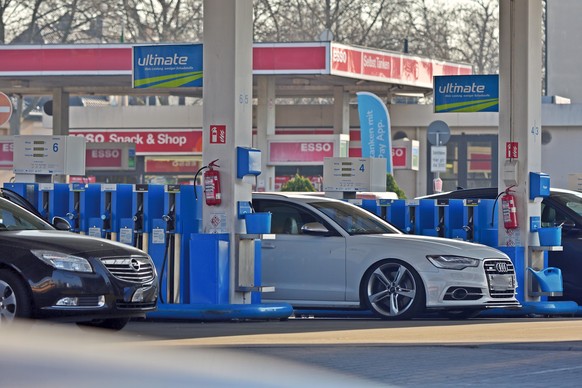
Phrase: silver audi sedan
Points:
(325, 253)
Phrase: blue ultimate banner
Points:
(167, 66)
(466, 93)
(375, 128)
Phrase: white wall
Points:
(564, 49)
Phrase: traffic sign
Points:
(5, 108)
(438, 133)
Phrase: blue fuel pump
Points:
(53, 200)
(115, 205)
(427, 218)
(27, 190)
(84, 206)
(459, 220)
(485, 222)
(182, 217)
(147, 210)
(403, 215)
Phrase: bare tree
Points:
(432, 28)
(478, 36)
(350, 21)
(162, 20)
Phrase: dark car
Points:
(562, 207)
(56, 274)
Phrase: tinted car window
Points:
(570, 200)
(353, 220)
(14, 217)
(285, 218)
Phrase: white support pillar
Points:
(60, 112)
(520, 109)
(341, 111)
(228, 89)
(265, 127)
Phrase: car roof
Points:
(481, 192)
(302, 196)
(484, 193)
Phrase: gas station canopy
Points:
(312, 69)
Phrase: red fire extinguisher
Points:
(212, 185)
(509, 210)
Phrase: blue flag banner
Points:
(375, 128)
(167, 66)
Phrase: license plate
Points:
(501, 282)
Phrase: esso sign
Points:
(399, 156)
(315, 147)
(105, 154)
(339, 55)
(94, 138)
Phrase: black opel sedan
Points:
(47, 273)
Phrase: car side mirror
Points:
(60, 223)
(314, 228)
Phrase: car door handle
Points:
(268, 245)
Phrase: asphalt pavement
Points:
(505, 352)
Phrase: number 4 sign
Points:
(218, 134)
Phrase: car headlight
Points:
(64, 261)
(452, 262)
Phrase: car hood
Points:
(435, 245)
(65, 242)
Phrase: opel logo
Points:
(502, 267)
(135, 265)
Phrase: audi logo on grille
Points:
(135, 265)
(502, 267)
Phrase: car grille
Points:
(500, 278)
(133, 269)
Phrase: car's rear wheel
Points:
(15, 302)
(114, 324)
(393, 290)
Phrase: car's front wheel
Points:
(393, 290)
(14, 298)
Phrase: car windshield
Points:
(571, 200)
(354, 220)
(14, 217)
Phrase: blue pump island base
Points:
(222, 312)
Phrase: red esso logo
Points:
(92, 138)
(105, 154)
(339, 55)
(315, 147)
(397, 152)
(7, 147)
